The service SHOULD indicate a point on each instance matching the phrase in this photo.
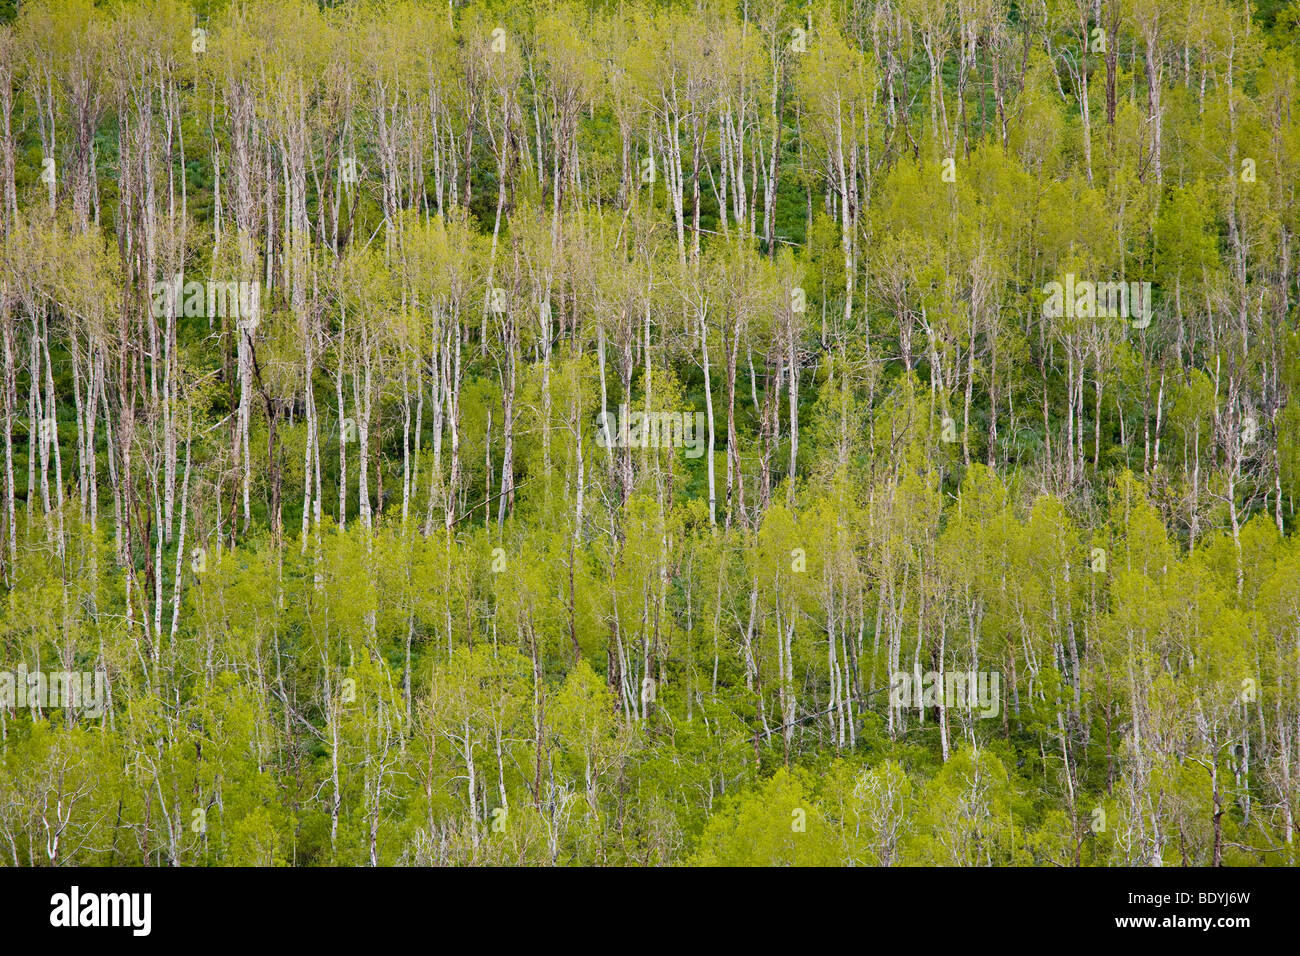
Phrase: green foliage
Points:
(367, 577)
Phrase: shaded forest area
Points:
(313, 323)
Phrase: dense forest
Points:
(857, 432)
